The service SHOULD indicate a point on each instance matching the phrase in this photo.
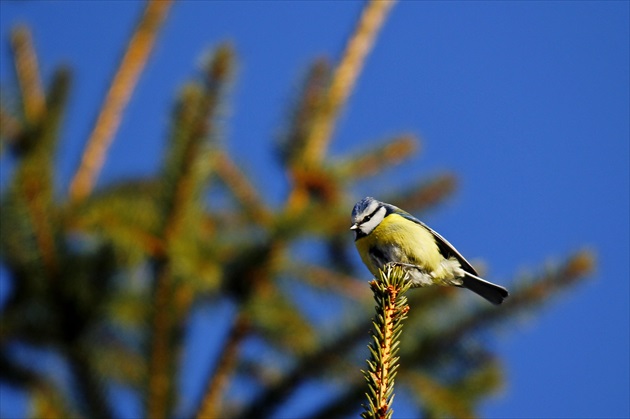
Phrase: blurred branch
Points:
(188, 163)
(374, 161)
(126, 214)
(426, 194)
(576, 268)
(321, 124)
(210, 406)
(311, 365)
(32, 186)
(303, 113)
(242, 189)
(47, 402)
(118, 96)
(343, 404)
(10, 128)
(185, 175)
(160, 380)
(456, 397)
(329, 279)
(27, 71)
(436, 394)
(526, 297)
(345, 76)
(15, 374)
(87, 383)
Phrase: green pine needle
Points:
(391, 310)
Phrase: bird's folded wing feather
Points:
(444, 245)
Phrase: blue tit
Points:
(386, 234)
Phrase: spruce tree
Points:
(106, 278)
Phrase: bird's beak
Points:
(354, 227)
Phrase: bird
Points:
(386, 235)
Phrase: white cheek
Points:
(368, 226)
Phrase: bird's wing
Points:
(446, 248)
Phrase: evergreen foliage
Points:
(391, 309)
(105, 280)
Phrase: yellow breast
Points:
(417, 244)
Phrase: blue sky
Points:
(527, 102)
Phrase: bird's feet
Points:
(401, 264)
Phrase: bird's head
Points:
(366, 215)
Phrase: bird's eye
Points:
(367, 218)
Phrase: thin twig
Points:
(118, 96)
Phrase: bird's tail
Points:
(491, 292)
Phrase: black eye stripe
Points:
(369, 216)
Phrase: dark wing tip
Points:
(491, 292)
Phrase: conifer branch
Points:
(186, 171)
(88, 383)
(27, 71)
(120, 91)
(160, 383)
(425, 194)
(311, 364)
(188, 164)
(304, 112)
(391, 310)
(321, 124)
(375, 160)
(241, 188)
(326, 278)
(210, 406)
(345, 76)
(34, 183)
(527, 297)
(48, 402)
(10, 128)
